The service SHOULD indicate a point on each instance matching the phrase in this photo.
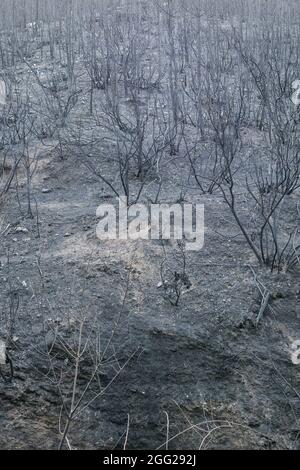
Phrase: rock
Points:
(46, 190)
